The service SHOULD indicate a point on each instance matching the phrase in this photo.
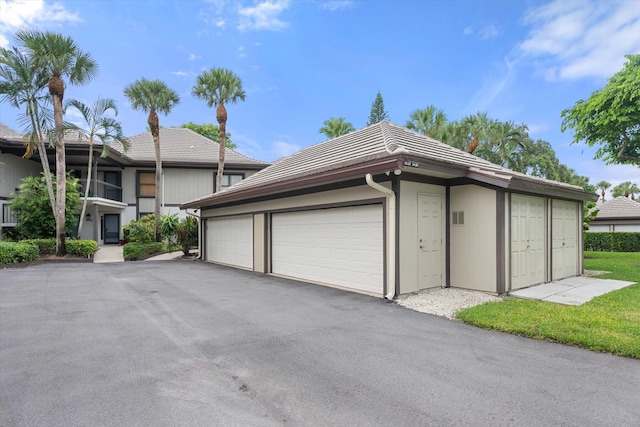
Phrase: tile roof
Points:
(383, 140)
(182, 145)
(177, 145)
(619, 208)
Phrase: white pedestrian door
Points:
(564, 234)
(429, 240)
(527, 241)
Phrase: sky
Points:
(302, 62)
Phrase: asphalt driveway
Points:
(187, 343)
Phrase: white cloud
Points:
(263, 16)
(32, 13)
(220, 23)
(193, 57)
(468, 31)
(572, 40)
(180, 73)
(488, 32)
(241, 52)
(281, 149)
(537, 128)
(333, 5)
(500, 78)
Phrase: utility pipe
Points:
(391, 235)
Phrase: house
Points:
(386, 211)
(123, 183)
(618, 214)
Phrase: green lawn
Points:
(609, 323)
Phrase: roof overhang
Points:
(111, 205)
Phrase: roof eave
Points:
(356, 171)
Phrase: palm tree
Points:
(625, 189)
(603, 186)
(60, 57)
(219, 86)
(22, 84)
(428, 121)
(98, 127)
(153, 96)
(333, 127)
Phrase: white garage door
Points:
(564, 236)
(230, 240)
(338, 246)
(527, 241)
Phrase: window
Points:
(457, 218)
(228, 179)
(146, 184)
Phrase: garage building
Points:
(386, 211)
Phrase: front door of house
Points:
(111, 229)
(429, 240)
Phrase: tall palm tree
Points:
(22, 86)
(153, 96)
(428, 121)
(333, 127)
(61, 58)
(97, 126)
(603, 186)
(625, 189)
(219, 86)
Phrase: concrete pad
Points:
(108, 253)
(571, 291)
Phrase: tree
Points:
(219, 86)
(211, 131)
(97, 126)
(22, 86)
(377, 113)
(603, 186)
(153, 96)
(428, 121)
(61, 57)
(610, 118)
(335, 127)
(626, 189)
(34, 217)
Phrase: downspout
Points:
(391, 235)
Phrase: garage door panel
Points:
(230, 241)
(338, 246)
(527, 241)
(564, 255)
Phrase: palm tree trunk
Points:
(46, 169)
(221, 116)
(61, 177)
(86, 189)
(154, 125)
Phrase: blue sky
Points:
(305, 61)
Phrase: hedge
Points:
(83, 248)
(45, 246)
(135, 251)
(17, 252)
(612, 241)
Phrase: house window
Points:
(457, 218)
(146, 184)
(228, 179)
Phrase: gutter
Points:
(391, 235)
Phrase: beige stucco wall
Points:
(12, 170)
(408, 232)
(473, 245)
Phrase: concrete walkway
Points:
(113, 253)
(571, 291)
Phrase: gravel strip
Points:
(444, 301)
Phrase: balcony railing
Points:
(8, 217)
(105, 190)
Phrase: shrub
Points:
(168, 226)
(83, 248)
(140, 231)
(612, 242)
(135, 251)
(187, 234)
(17, 252)
(45, 246)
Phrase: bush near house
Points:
(17, 252)
(612, 242)
(136, 251)
(140, 231)
(45, 246)
(83, 248)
